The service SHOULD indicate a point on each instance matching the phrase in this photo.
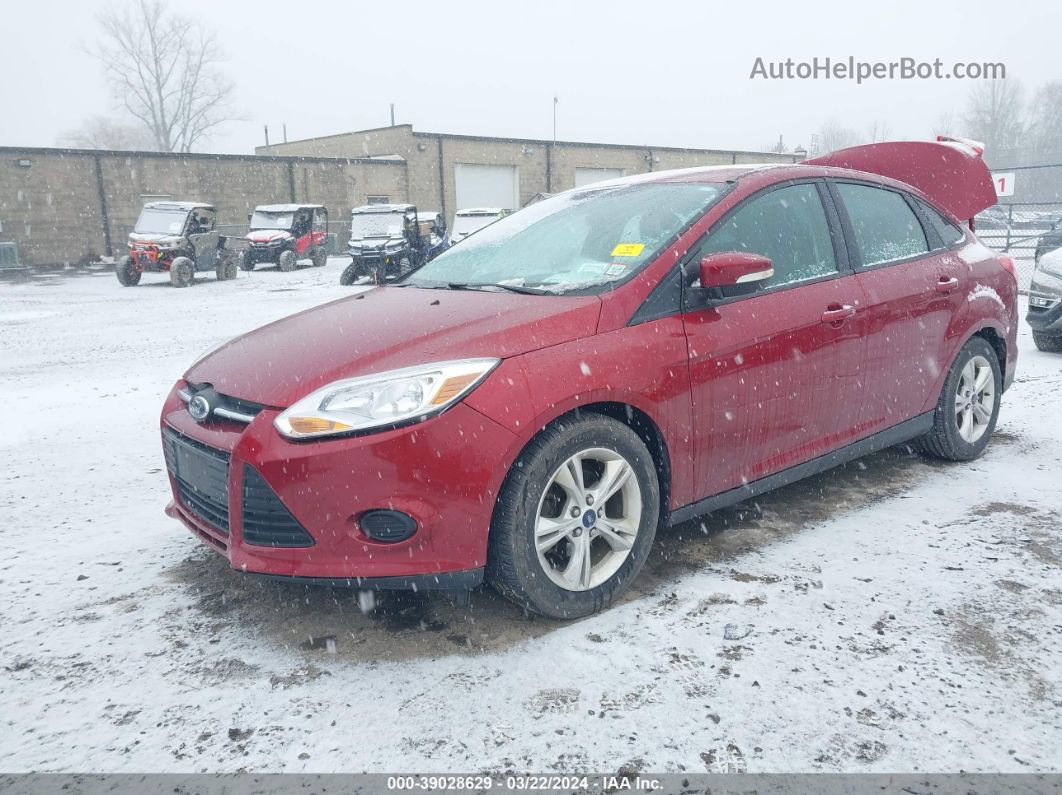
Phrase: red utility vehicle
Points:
(282, 234)
(533, 404)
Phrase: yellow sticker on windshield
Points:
(628, 249)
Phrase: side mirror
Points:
(735, 267)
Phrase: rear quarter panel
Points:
(991, 302)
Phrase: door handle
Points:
(946, 284)
(836, 314)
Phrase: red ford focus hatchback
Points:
(534, 403)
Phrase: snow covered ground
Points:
(895, 615)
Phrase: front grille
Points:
(202, 477)
(225, 406)
(266, 520)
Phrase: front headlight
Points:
(372, 401)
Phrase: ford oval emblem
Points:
(199, 408)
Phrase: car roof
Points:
(382, 208)
(178, 206)
(763, 173)
(286, 208)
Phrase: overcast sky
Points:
(649, 72)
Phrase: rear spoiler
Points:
(949, 171)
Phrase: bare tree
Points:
(879, 131)
(945, 124)
(832, 136)
(163, 68)
(995, 115)
(1045, 121)
(104, 132)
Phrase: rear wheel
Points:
(320, 258)
(576, 518)
(226, 268)
(968, 407)
(246, 263)
(1048, 343)
(182, 272)
(127, 272)
(287, 261)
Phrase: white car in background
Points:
(473, 219)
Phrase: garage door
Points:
(486, 186)
(585, 176)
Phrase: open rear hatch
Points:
(949, 172)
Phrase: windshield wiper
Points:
(510, 287)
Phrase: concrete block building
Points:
(449, 172)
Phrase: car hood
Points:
(158, 240)
(267, 235)
(384, 329)
(375, 242)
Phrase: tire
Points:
(182, 272)
(287, 261)
(226, 269)
(246, 263)
(405, 265)
(349, 275)
(532, 494)
(952, 438)
(1048, 343)
(320, 258)
(127, 272)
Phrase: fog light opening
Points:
(387, 527)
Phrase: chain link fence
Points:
(1028, 222)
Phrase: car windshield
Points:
(268, 220)
(160, 222)
(467, 224)
(575, 241)
(376, 225)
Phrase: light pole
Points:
(554, 119)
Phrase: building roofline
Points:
(549, 142)
(541, 142)
(44, 150)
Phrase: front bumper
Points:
(443, 472)
(268, 252)
(1045, 303)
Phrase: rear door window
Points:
(789, 226)
(886, 228)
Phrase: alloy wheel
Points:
(588, 518)
(975, 399)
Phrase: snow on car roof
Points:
(286, 208)
(696, 174)
(382, 208)
(179, 206)
(481, 211)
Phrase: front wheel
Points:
(182, 272)
(350, 274)
(320, 258)
(575, 519)
(127, 272)
(246, 263)
(287, 261)
(968, 407)
(1048, 343)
